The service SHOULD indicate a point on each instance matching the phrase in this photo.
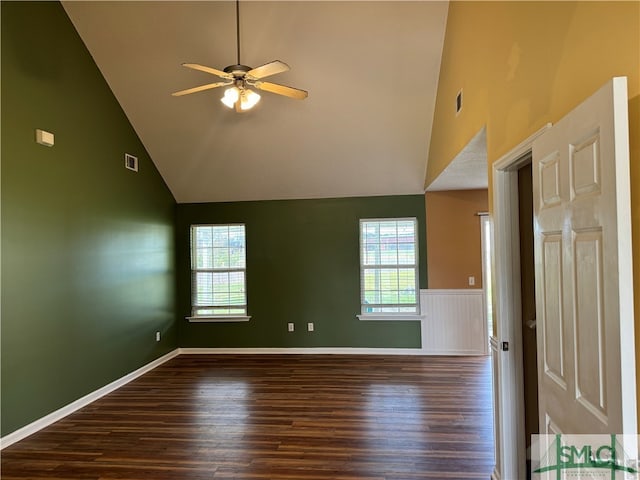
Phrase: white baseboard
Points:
(305, 351)
(453, 353)
(59, 414)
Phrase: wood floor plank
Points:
(279, 417)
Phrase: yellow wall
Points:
(454, 242)
(523, 64)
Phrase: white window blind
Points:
(389, 266)
(218, 270)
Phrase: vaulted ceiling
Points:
(371, 69)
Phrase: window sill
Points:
(391, 316)
(219, 319)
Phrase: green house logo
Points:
(604, 457)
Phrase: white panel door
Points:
(584, 284)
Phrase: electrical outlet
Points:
(310, 326)
(157, 336)
(472, 281)
(290, 327)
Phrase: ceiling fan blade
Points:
(213, 71)
(268, 69)
(200, 88)
(282, 90)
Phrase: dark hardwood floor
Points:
(299, 417)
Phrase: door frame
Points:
(510, 441)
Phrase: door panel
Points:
(582, 237)
(589, 341)
(552, 345)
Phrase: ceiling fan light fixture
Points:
(248, 99)
(231, 96)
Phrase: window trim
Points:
(391, 316)
(394, 317)
(221, 318)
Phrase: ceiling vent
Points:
(131, 162)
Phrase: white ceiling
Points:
(468, 170)
(371, 69)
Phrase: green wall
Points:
(302, 266)
(87, 246)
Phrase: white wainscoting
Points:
(455, 322)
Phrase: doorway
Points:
(528, 306)
(508, 344)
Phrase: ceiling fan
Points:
(241, 77)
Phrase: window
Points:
(218, 271)
(389, 267)
(485, 225)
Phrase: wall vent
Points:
(459, 102)
(131, 162)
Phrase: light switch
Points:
(472, 281)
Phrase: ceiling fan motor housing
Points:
(237, 70)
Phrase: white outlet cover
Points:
(310, 326)
(290, 327)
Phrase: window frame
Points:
(223, 317)
(417, 315)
